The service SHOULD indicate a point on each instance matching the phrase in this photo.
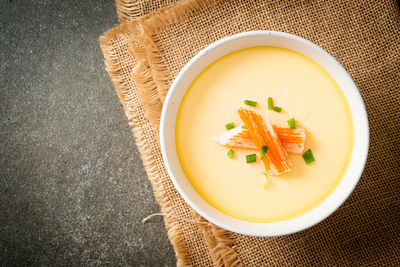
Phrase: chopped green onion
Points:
(230, 154)
(292, 123)
(250, 103)
(277, 109)
(308, 156)
(251, 158)
(264, 150)
(229, 126)
(270, 103)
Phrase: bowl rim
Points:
(364, 145)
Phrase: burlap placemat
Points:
(144, 55)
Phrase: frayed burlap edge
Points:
(114, 70)
(152, 80)
(128, 10)
(152, 92)
(220, 243)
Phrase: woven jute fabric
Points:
(133, 9)
(144, 55)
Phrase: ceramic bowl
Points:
(263, 38)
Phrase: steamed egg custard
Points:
(264, 134)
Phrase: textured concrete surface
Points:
(72, 186)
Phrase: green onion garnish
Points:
(251, 158)
(264, 150)
(250, 103)
(277, 109)
(229, 126)
(308, 156)
(291, 123)
(270, 103)
(230, 154)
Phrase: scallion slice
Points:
(292, 123)
(270, 103)
(264, 150)
(251, 158)
(230, 154)
(250, 103)
(229, 126)
(277, 109)
(308, 156)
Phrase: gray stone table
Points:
(73, 190)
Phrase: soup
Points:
(304, 91)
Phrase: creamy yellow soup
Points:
(305, 91)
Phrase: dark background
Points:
(72, 186)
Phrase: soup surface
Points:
(305, 91)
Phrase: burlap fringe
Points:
(149, 163)
(127, 10)
(220, 242)
(147, 88)
(145, 220)
(152, 79)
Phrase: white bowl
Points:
(231, 44)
